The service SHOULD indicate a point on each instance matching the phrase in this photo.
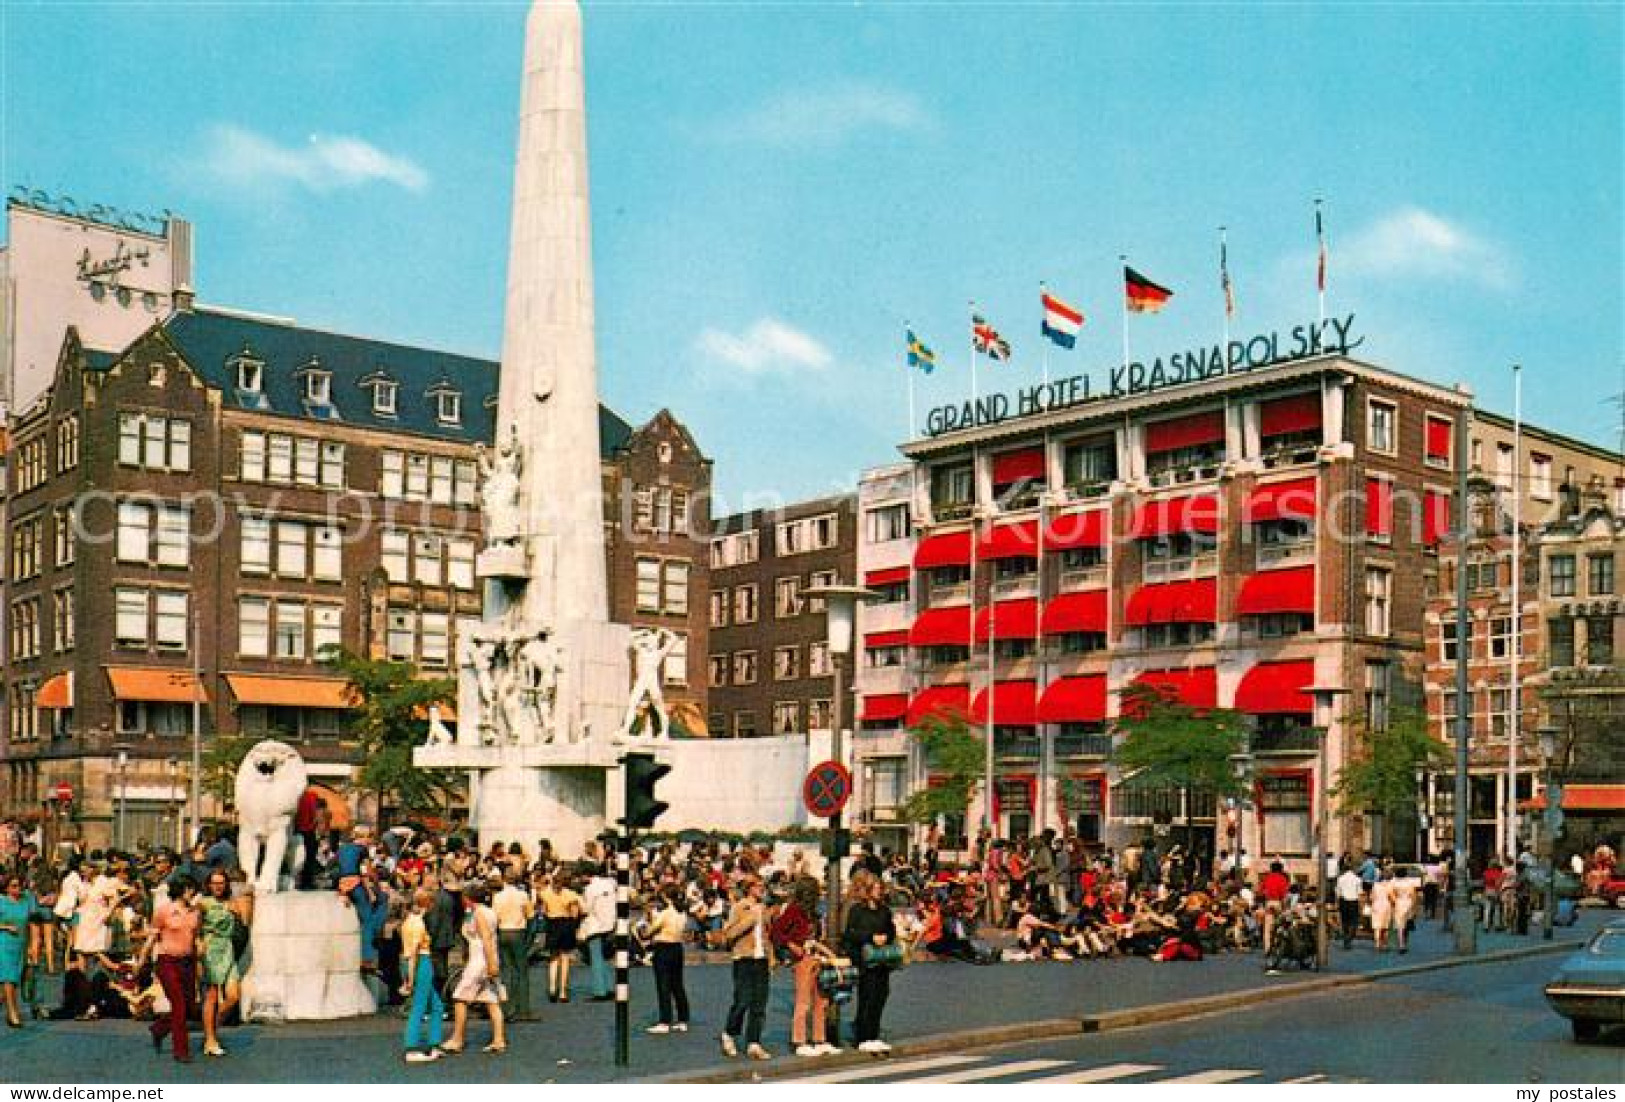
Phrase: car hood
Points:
(1592, 972)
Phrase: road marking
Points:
(1306, 1079)
(888, 1067)
(1098, 1075)
(1214, 1075)
(991, 1071)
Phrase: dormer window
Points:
(250, 375)
(319, 388)
(383, 397)
(449, 407)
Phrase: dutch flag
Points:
(1061, 321)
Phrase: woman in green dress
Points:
(220, 917)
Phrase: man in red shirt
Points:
(1274, 887)
(305, 821)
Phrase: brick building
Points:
(769, 668)
(195, 517)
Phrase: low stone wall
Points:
(737, 785)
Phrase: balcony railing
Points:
(1087, 577)
(950, 593)
(942, 511)
(1024, 749)
(1005, 589)
(1083, 746)
(1279, 554)
(1289, 455)
(1087, 489)
(1189, 566)
(1294, 740)
(1178, 476)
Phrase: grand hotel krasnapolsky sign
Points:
(1331, 337)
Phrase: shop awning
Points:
(943, 549)
(1298, 413)
(1015, 704)
(889, 576)
(290, 692)
(884, 707)
(1195, 513)
(1074, 700)
(938, 702)
(1198, 688)
(1191, 431)
(885, 639)
(941, 627)
(1584, 797)
(1015, 619)
(1278, 591)
(1293, 499)
(1009, 541)
(1277, 688)
(57, 692)
(1069, 531)
(1014, 466)
(1075, 612)
(1193, 602)
(155, 686)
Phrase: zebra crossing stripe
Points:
(888, 1067)
(990, 1071)
(1103, 1074)
(1212, 1075)
(1306, 1079)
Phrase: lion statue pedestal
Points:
(304, 958)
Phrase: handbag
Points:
(836, 981)
(888, 957)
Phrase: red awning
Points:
(1584, 797)
(1293, 499)
(1277, 688)
(943, 549)
(1438, 441)
(1198, 688)
(1015, 704)
(884, 707)
(1196, 513)
(940, 702)
(1435, 518)
(941, 627)
(1299, 413)
(1009, 541)
(889, 576)
(1068, 531)
(1278, 591)
(57, 692)
(1074, 700)
(1074, 612)
(1014, 466)
(1379, 507)
(886, 639)
(1185, 432)
(1014, 619)
(1194, 602)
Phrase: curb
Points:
(1049, 1028)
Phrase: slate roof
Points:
(212, 341)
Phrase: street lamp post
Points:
(840, 616)
(123, 761)
(1549, 748)
(1325, 697)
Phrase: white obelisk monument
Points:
(543, 683)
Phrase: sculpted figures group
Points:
(518, 678)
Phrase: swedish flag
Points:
(919, 355)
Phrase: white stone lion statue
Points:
(269, 783)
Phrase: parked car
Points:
(1589, 989)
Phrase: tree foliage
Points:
(957, 761)
(387, 718)
(1384, 763)
(221, 759)
(1167, 742)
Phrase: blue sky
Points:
(777, 187)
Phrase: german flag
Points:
(1143, 296)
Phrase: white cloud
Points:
(1415, 242)
(768, 346)
(325, 163)
(825, 116)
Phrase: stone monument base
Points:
(304, 960)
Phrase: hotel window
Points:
(417, 477)
(953, 491)
(1540, 476)
(428, 557)
(251, 457)
(719, 608)
(1560, 640)
(449, 407)
(327, 559)
(254, 627)
(1437, 441)
(67, 443)
(1083, 642)
(786, 717)
(1600, 575)
(676, 587)
(289, 624)
(384, 394)
(64, 624)
(291, 559)
(392, 480)
(169, 619)
(787, 597)
(1088, 467)
(460, 563)
(400, 637)
(675, 670)
(1184, 447)
(326, 628)
(440, 480)
(891, 593)
(1378, 598)
(648, 587)
(718, 671)
(1380, 418)
(744, 667)
(745, 604)
(395, 557)
(1284, 625)
(130, 617)
(1284, 809)
(744, 724)
(436, 640)
(332, 465)
(818, 660)
(464, 483)
(1501, 637)
(786, 663)
(1599, 640)
(884, 658)
(887, 523)
(1560, 576)
(818, 713)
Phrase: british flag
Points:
(986, 339)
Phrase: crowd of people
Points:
(445, 927)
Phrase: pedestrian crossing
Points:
(960, 1068)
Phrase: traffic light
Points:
(642, 772)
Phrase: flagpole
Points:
(909, 368)
(1224, 293)
(974, 394)
(1123, 292)
(1517, 612)
(1043, 351)
(1320, 260)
